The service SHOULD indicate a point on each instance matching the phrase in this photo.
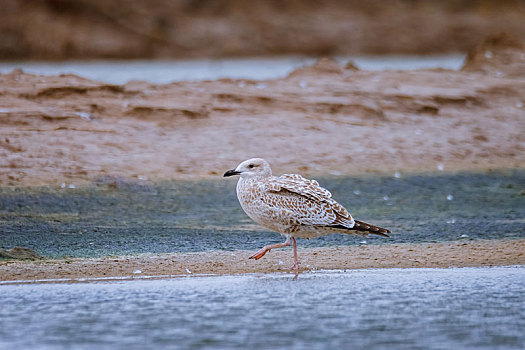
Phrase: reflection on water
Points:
(166, 71)
(478, 308)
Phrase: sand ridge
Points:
(443, 255)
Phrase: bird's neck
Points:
(246, 182)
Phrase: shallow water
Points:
(166, 71)
(467, 308)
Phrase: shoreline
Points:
(477, 253)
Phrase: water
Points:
(467, 308)
(166, 71)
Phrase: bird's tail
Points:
(368, 228)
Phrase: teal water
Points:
(466, 308)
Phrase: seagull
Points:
(293, 206)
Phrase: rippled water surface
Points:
(166, 71)
(468, 308)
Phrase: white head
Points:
(251, 168)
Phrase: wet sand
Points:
(118, 218)
(450, 254)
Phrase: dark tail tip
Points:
(376, 230)
(381, 234)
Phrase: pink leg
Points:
(260, 253)
(295, 260)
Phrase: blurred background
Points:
(124, 29)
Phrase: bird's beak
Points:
(231, 173)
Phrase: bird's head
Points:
(251, 168)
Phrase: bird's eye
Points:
(251, 166)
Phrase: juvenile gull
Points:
(292, 206)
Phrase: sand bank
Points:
(453, 254)
(325, 119)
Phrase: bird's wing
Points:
(308, 202)
(299, 185)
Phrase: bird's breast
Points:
(250, 197)
(247, 192)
